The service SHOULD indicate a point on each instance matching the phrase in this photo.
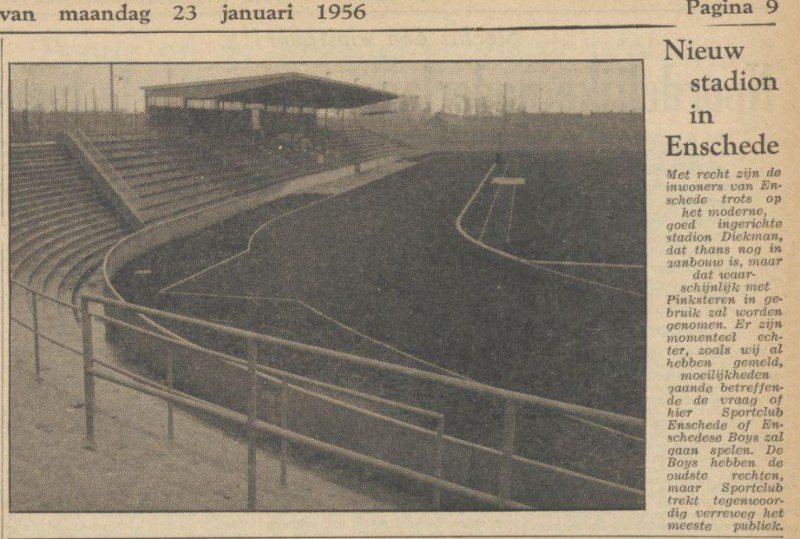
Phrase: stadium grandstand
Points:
(203, 143)
(169, 241)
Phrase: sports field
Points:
(388, 260)
(384, 271)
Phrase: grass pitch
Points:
(387, 261)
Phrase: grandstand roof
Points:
(295, 89)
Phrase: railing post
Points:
(252, 411)
(88, 374)
(35, 329)
(507, 463)
(438, 467)
(284, 424)
(170, 406)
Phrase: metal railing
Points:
(148, 386)
(95, 367)
(250, 419)
(35, 324)
(121, 191)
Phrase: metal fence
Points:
(95, 367)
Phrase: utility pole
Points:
(25, 114)
(55, 100)
(94, 97)
(111, 84)
(327, 75)
(444, 98)
(502, 125)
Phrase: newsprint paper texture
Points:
(399, 269)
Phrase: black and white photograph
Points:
(327, 286)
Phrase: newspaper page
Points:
(399, 268)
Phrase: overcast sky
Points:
(559, 86)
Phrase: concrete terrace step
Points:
(32, 222)
(32, 146)
(53, 203)
(18, 200)
(151, 170)
(153, 158)
(185, 196)
(180, 207)
(47, 225)
(34, 172)
(26, 259)
(35, 151)
(121, 139)
(62, 266)
(30, 241)
(49, 175)
(152, 189)
(177, 174)
(40, 188)
(45, 267)
(134, 153)
(50, 159)
(16, 165)
(79, 273)
(221, 176)
(57, 197)
(137, 145)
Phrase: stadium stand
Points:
(63, 220)
(174, 171)
(60, 228)
(365, 144)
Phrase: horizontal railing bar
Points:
(363, 411)
(266, 369)
(549, 467)
(241, 364)
(21, 323)
(353, 393)
(610, 430)
(471, 385)
(452, 439)
(139, 378)
(47, 337)
(458, 441)
(61, 344)
(39, 293)
(368, 413)
(178, 398)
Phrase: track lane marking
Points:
(511, 214)
(538, 264)
(274, 219)
(328, 317)
(488, 214)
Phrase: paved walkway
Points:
(134, 467)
